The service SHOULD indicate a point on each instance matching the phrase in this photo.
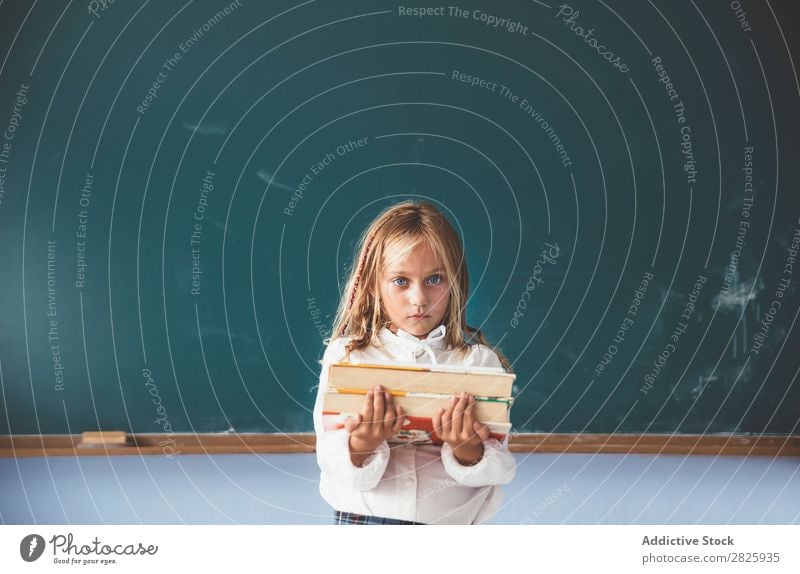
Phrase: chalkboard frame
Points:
(211, 444)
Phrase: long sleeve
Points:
(333, 452)
(497, 466)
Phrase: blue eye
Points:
(432, 280)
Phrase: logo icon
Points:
(31, 547)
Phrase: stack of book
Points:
(421, 391)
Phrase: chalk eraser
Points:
(104, 438)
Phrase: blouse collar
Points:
(434, 340)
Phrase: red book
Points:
(418, 430)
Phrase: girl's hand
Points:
(378, 421)
(456, 425)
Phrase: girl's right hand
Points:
(379, 420)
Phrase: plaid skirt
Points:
(351, 518)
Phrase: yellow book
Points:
(421, 390)
(414, 378)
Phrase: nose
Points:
(417, 296)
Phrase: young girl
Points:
(405, 301)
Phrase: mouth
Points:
(418, 317)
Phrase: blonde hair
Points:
(395, 232)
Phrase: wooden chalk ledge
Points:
(117, 442)
(104, 438)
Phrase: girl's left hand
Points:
(456, 425)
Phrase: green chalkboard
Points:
(182, 185)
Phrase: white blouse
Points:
(417, 482)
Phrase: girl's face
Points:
(415, 292)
